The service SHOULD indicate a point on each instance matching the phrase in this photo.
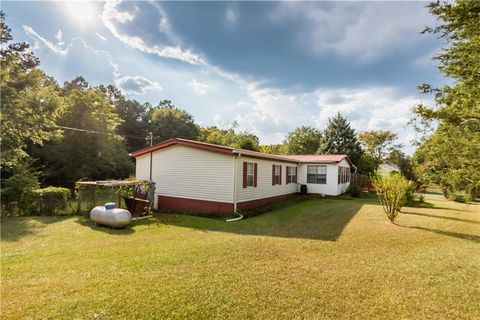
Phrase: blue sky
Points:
(270, 66)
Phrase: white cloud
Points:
(113, 18)
(137, 85)
(57, 49)
(59, 36)
(272, 113)
(198, 87)
(364, 31)
(231, 16)
(100, 36)
(367, 109)
(92, 63)
(268, 112)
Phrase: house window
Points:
(291, 175)
(249, 174)
(343, 175)
(317, 174)
(276, 174)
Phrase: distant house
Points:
(202, 177)
(387, 168)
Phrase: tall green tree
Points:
(450, 158)
(303, 140)
(229, 137)
(340, 138)
(134, 127)
(273, 148)
(30, 101)
(404, 163)
(456, 104)
(167, 121)
(366, 165)
(378, 144)
(97, 153)
(451, 155)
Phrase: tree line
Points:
(61, 133)
(56, 134)
(449, 147)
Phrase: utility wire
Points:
(98, 132)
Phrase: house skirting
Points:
(248, 205)
(194, 205)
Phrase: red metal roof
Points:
(320, 158)
(185, 142)
(317, 157)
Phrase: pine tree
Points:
(340, 138)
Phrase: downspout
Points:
(150, 137)
(238, 216)
(151, 165)
(235, 183)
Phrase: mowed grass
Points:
(323, 258)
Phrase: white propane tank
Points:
(109, 215)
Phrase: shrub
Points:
(458, 197)
(410, 195)
(16, 194)
(391, 190)
(51, 199)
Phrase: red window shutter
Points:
(295, 174)
(280, 175)
(273, 175)
(245, 174)
(255, 170)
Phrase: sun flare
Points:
(82, 12)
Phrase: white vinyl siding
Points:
(264, 187)
(185, 172)
(142, 167)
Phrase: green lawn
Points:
(315, 259)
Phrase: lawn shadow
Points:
(15, 228)
(464, 236)
(442, 217)
(96, 227)
(319, 219)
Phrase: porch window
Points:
(317, 174)
(343, 175)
